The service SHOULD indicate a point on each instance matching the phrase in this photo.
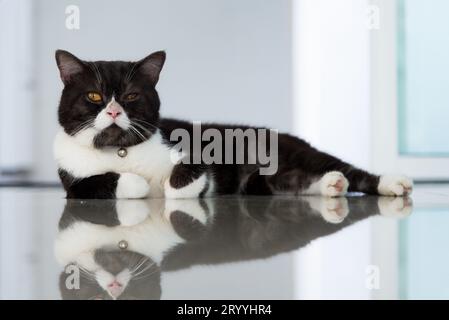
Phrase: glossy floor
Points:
(224, 248)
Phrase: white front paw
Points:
(334, 184)
(395, 186)
(395, 207)
(131, 186)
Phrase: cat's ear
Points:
(151, 66)
(68, 65)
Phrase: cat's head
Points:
(120, 275)
(109, 103)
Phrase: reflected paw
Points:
(395, 207)
(333, 210)
(132, 212)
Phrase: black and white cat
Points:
(113, 144)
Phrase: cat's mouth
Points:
(115, 136)
(115, 288)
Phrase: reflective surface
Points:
(360, 247)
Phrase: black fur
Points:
(95, 187)
(94, 211)
(184, 174)
(299, 165)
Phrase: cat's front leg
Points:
(131, 186)
(333, 184)
(110, 185)
(187, 181)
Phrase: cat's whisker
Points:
(141, 135)
(82, 128)
(86, 271)
(133, 272)
(139, 264)
(145, 275)
(144, 269)
(145, 122)
(91, 280)
(134, 260)
(131, 73)
(137, 133)
(77, 129)
(93, 297)
(142, 128)
(83, 125)
(97, 72)
(133, 131)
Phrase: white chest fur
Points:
(144, 224)
(152, 238)
(150, 159)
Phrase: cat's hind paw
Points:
(334, 184)
(396, 186)
(131, 186)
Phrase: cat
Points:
(114, 144)
(165, 235)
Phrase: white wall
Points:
(16, 85)
(331, 77)
(332, 110)
(227, 60)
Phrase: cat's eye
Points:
(131, 96)
(94, 97)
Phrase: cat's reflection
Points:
(118, 249)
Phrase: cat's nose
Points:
(115, 284)
(115, 289)
(114, 113)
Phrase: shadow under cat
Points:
(117, 249)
